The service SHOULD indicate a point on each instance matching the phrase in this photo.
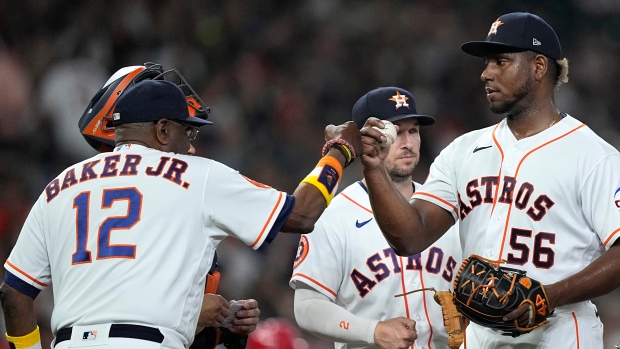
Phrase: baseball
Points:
(389, 131)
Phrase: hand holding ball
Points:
(389, 131)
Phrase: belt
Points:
(121, 330)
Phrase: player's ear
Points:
(540, 63)
(162, 131)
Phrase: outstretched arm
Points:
(408, 228)
(318, 315)
(310, 201)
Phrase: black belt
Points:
(122, 331)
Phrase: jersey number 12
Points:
(104, 249)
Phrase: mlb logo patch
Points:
(89, 335)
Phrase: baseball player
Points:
(96, 129)
(127, 237)
(346, 275)
(538, 190)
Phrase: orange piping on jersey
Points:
(439, 199)
(499, 175)
(356, 203)
(576, 329)
(402, 286)
(26, 275)
(610, 236)
(316, 282)
(404, 289)
(268, 220)
(501, 251)
(428, 320)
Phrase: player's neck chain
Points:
(557, 118)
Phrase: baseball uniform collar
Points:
(128, 146)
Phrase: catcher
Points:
(96, 128)
(346, 275)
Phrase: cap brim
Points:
(423, 120)
(481, 48)
(194, 121)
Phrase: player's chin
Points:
(407, 163)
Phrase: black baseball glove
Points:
(485, 292)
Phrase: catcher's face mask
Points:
(96, 122)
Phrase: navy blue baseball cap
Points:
(388, 103)
(517, 31)
(151, 100)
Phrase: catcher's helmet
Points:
(275, 333)
(96, 122)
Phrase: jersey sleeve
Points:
(319, 260)
(439, 187)
(28, 266)
(601, 199)
(243, 208)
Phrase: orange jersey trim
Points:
(428, 319)
(576, 329)
(315, 282)
(499, 175)
(268, 220)
(403, 287)
(26, 274)
(356, 203)
(439, 199)
(610, 236)
(501, 251)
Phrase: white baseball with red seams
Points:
(389, 131)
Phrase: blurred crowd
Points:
(274, 74)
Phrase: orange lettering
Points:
(344, 325)
(540, 304)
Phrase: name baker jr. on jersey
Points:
(483, 190)
(169, 168)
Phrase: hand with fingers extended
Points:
(246, 318)
(213, 311)
(373, 153)
(396, 333)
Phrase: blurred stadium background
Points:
(274, 74)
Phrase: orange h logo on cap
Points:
(494, 27)
(401, 100)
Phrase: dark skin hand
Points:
(309, 202)
(408, 228)
(246, 319)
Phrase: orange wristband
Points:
(325, 177)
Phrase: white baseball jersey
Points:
(347, 259)
(548, 204)
(128, 237)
